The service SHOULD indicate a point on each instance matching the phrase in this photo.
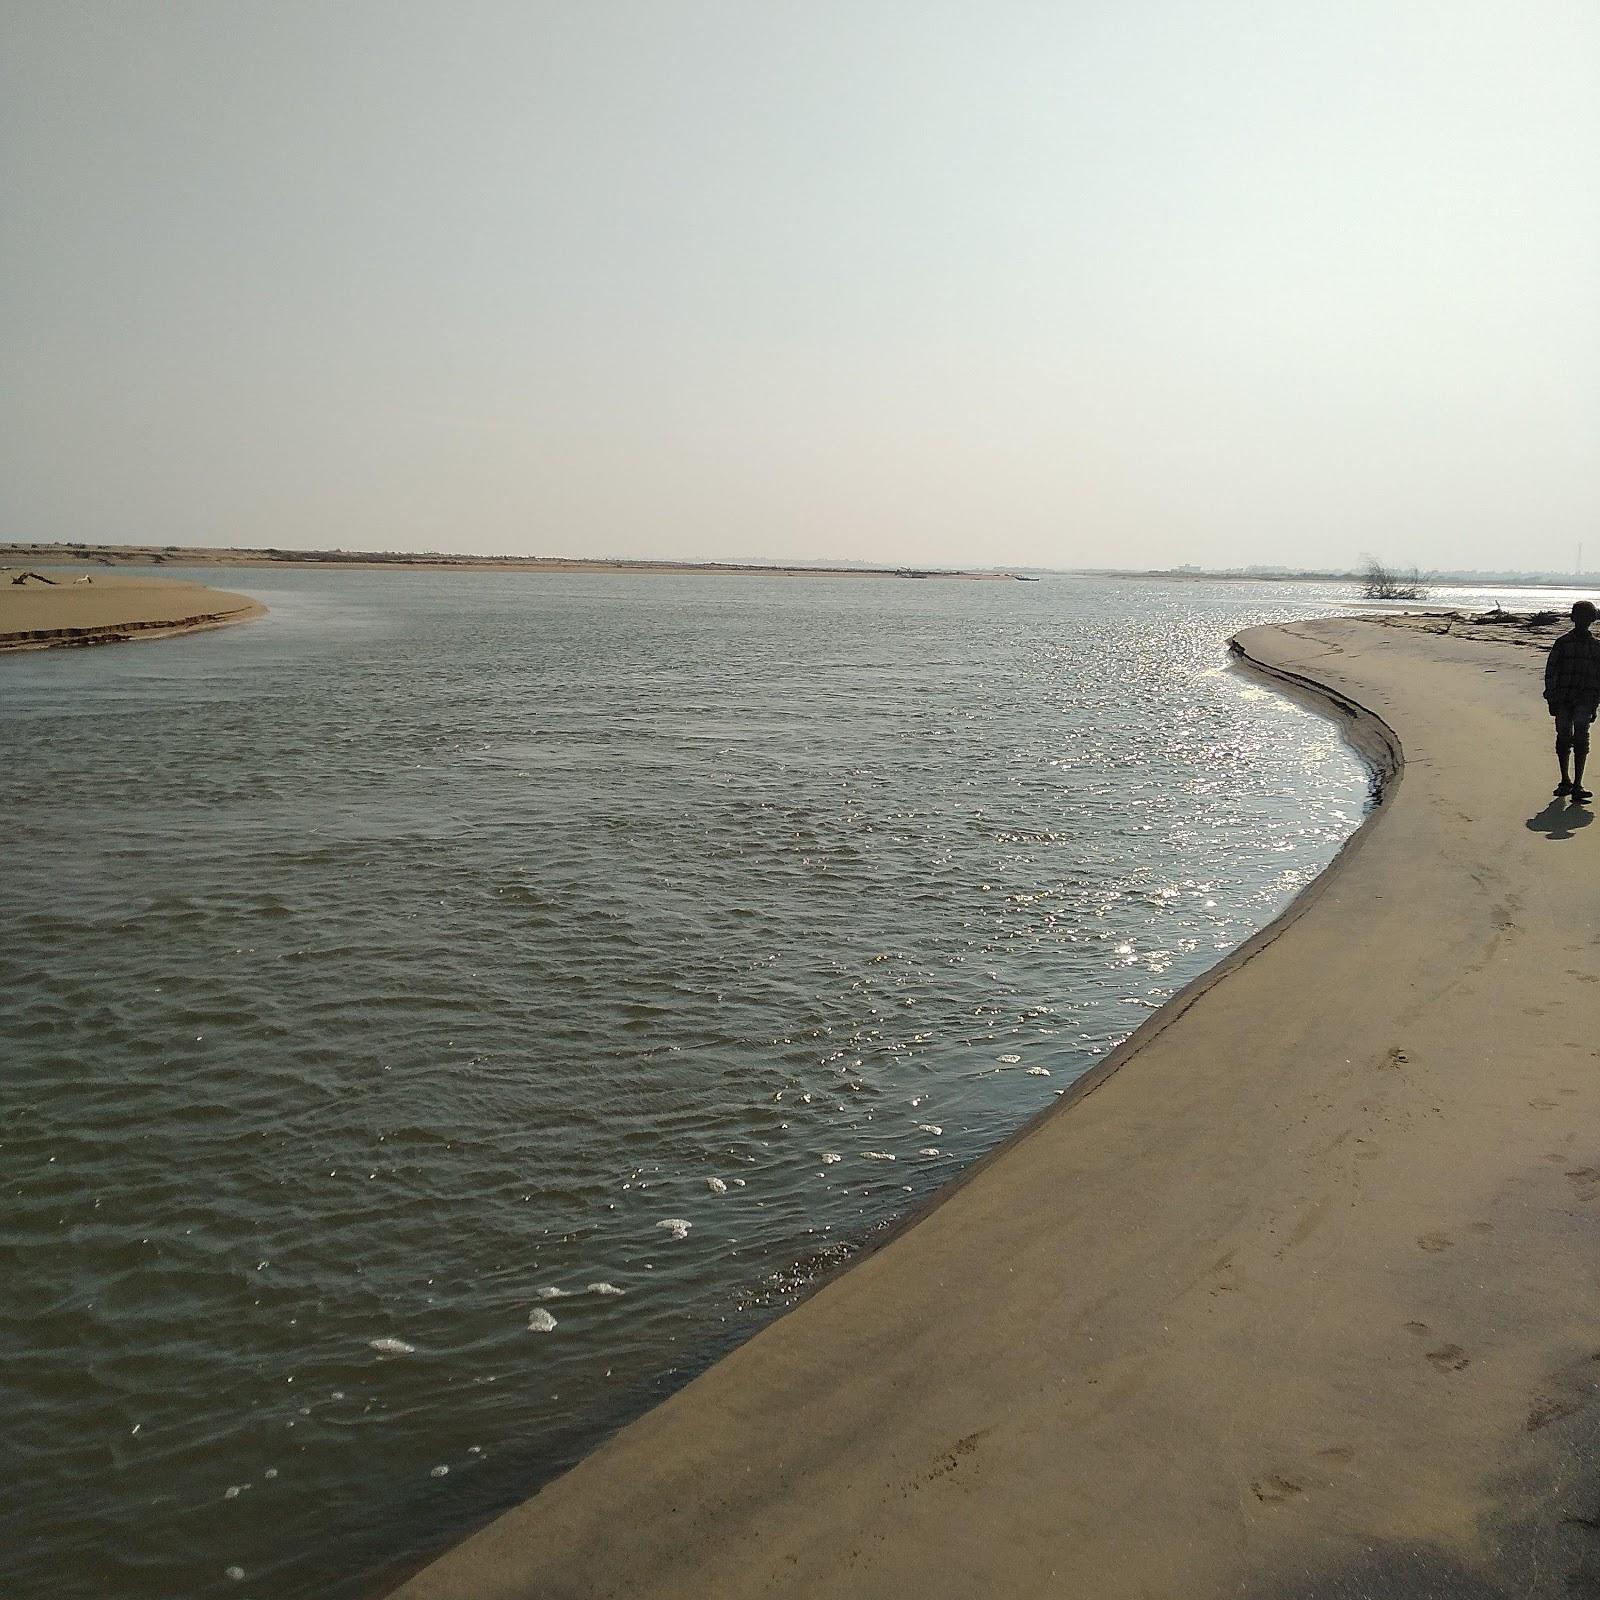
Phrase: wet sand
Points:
(1295, 1295)
(37, 614)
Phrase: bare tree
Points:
(1379, 582)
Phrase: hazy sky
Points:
(1091, 282)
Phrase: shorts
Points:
(1573, 717)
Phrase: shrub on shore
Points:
(1379, 582)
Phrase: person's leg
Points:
(1580, 751)
(1564, 746)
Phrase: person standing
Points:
(1572, 691)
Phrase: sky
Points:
(1127, 283)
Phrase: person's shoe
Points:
(1581, 797)
(1564, 787)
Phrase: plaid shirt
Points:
(1572, 669)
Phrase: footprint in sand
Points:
(1585, 1183)
(1274, 1490)
(1435, 1241)
(1449, 1358)
(1418, 1328)
(1547, 1411)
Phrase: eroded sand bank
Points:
(64, 607)
(1300, 1297)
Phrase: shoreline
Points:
(1196, 1342)
(1433, 582)
(38, 614)
(400, 561)
(1378, 747)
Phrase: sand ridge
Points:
(61, 607)
(1295, 1296)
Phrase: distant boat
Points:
(1021, 579)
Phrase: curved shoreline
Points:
(52, 614)
(1298, 1306)
(1379, 747)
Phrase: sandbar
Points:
(63, 607)
(1296, 1294)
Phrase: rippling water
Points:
(439, 1018)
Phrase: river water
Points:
(439, 1018)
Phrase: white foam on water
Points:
(438, 1472)
(550, 1292)
(392, 1347)
(930, 1151)
(271, 1472)
(676, 1226)
(234, 1490)
(235, 1573)
(716, 1186)
(930, 1127)
(829, 1159)
(1038, 1072)
(876, 1155)
(605, 1288)
(1009, 1060)
(540, 1321)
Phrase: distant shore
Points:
(136, 555)
(41, 611)
(1430, 580)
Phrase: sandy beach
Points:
(69, 607)
(1294, 1295)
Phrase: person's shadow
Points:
(1559, 820)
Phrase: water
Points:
(441, 1017)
